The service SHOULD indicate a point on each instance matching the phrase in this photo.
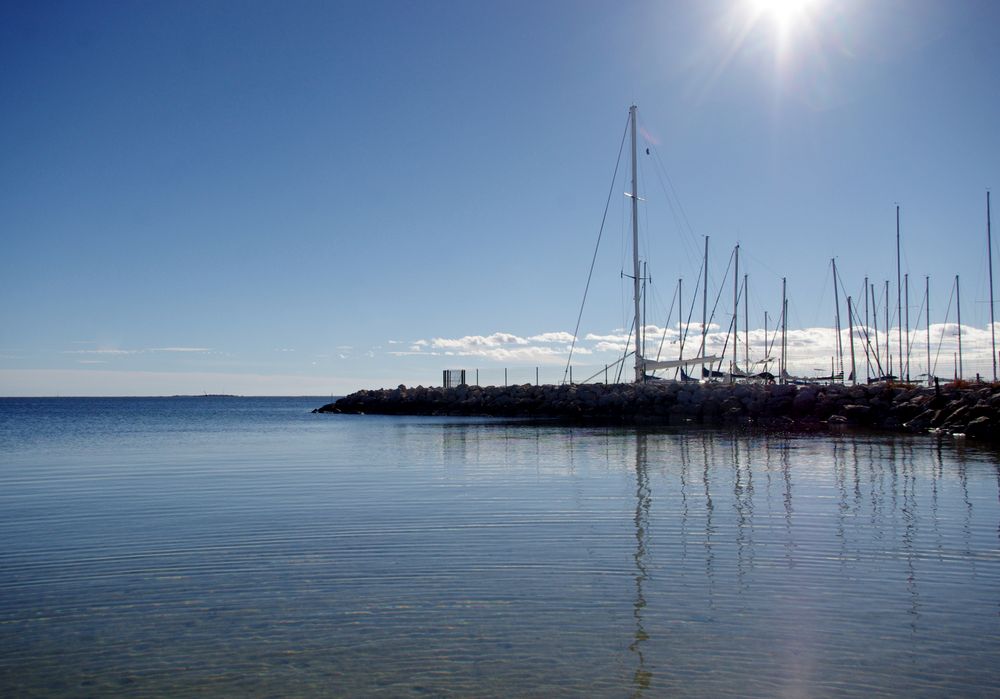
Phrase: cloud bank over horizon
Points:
(493, 358)
(810, 351)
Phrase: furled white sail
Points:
(651, 365)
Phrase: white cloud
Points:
(110, 351)
(809, 349)
(113, 351)
(543, 348)
(469, 342)
(558, 336)
(609, 346)
(606, 338)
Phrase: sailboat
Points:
(642, 365)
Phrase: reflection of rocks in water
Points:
(970, 409)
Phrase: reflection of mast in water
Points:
(840, 474)
(963, 477)
(910, 531)
(743, 502)
(786, 473)
(709, 529)
(769, 449)
(877, 491)
(685, 464)
(936, 473)
(643, 499)
(857, 479)
(894, 487)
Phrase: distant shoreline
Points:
(206, 395)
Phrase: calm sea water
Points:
(246, 547)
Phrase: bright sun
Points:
(783, 12)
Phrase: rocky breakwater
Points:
(969, 409)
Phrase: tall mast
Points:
(927, 303)
(783, 364)
(906, 298)
(746, 324)
(836, 303)
(899, 299)
(989, 248)
(704, 308)
(888, 357)
(868, 344)
(639, 369)
(850, 333)
(736, 302)
(645, 272)
(767, 350)
(680, 316)
(958, 303)
(878, 358)
(784, 334)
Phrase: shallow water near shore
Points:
(238, 546)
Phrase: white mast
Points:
(704, 310)
(906, 305)
(899, 302)
(641, 365)
(783, 364)
(736, 312)
(868, 339)
(746, 324)
(888, 334)
(958, 304)
(836, 305)
(989, 257)
(850, 334)
(680, 316)
(639, 369)
(927, 304)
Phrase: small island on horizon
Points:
(206, 395)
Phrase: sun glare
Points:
(784, 13)
(789, 19)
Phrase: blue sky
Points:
(298, 197)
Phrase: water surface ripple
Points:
(245, 547)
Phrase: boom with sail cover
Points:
(651, 365)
